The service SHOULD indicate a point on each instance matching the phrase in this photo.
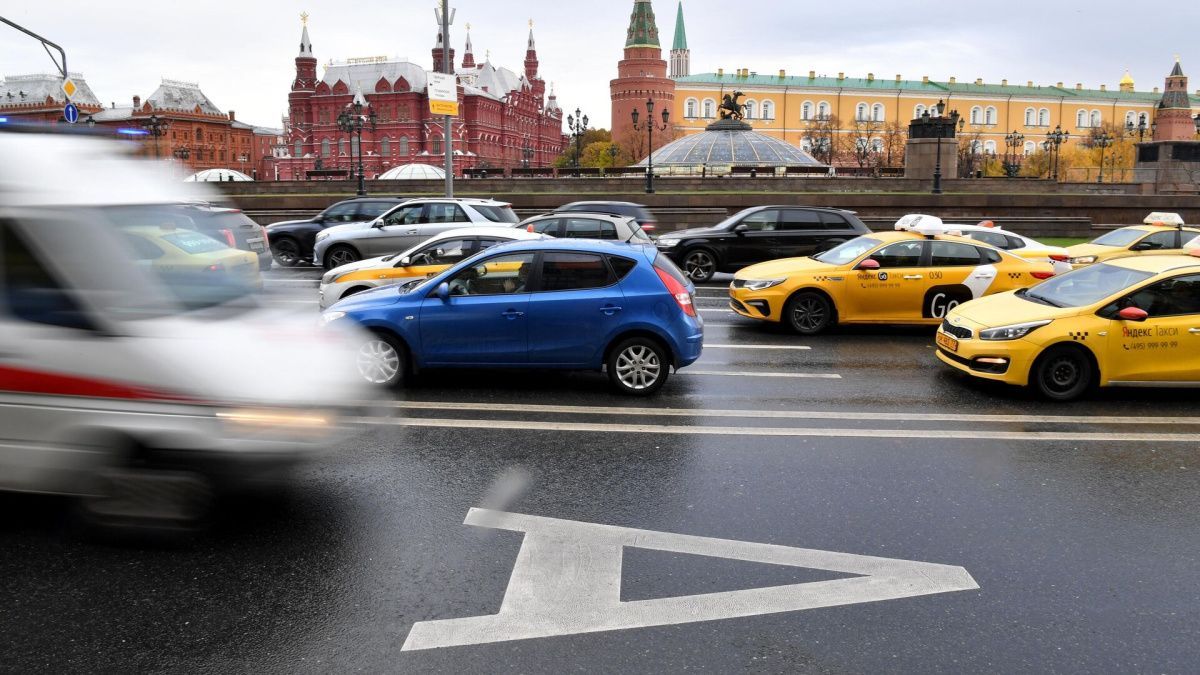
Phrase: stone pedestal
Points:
(1168, 166)
(920, 158)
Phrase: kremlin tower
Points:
(641, 75)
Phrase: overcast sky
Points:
(241, 52)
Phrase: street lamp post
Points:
(1103, 140)
(182, 154)
(1140, 129)
(1012, 141)
(352, 121)
(1053, 145)
(650, 124)
(157, 128)
(612, 155)
(526, 153)
(940, 128)
(577, 124)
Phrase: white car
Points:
(419, 262)
(588, 226)
(406, 225)
(110, 389)
(1005, 240)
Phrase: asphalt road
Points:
(1076, 525)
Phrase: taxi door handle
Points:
(913, 277)
(1193, 331)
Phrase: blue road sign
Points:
(71, 113)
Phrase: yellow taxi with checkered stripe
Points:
(913, 275)
(1161, 233)
(1125, 322)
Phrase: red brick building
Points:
(641, 75)
(40, 97)
(503, 115)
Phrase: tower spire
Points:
(643, 32)
(531, 57)
(306, 50)
(468, 62)
(681, 56)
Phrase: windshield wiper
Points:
(1038, 298)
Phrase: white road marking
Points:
(567, 580)
(716, 311)
(796, 432)
(794, 376)
(782, 347)
(708, 324)
(791, 414)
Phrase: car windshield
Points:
(848, 252)
(1085, 286)
(1119, 238)
(497, 214)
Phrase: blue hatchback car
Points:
(555, 303)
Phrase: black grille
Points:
(739, 283)
(957, 331)
(738, 306)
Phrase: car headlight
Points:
(1083, 260)
(667, 243)
(763, 284)
(322, 236)
(329, 317)
(1013, 332)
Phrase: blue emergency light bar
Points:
(3, 120)
(133, 132)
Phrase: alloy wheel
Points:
(700, 265)
(287, 253)
(809, 314)
(378, 362)
(638, 367)
(341, 256)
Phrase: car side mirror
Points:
(443, 291)
(378, 223)
(405, 262)
(868, 264)
(1133, 314)
(741, 229)
(1143, 246)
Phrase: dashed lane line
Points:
(686, 430)
(793, 414)
(781, 347)
(793, 376)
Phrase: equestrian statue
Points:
(730, 109)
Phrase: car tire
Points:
(341, 255)
(808, 313)
(382, 360)
(286, 252)
(264, 263)
(638, 366)
(1062, 374)
(700, 264)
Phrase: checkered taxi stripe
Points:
(1078, 336)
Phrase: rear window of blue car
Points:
(574, 271)
(622, 266)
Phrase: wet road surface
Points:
(1083, 543)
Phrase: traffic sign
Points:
(443, 94)
(69, 88)
(71, 113)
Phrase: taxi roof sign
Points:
(929, 226)
(1164, 219)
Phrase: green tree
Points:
(567, 159)
(599, 154)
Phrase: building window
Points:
(989, 147)
(877, 112)
(806, 110)
(1097, 120)
(404, 146)
(709, 108)
(768, 110)
(976, 115)
(860, 112)
(1030, 147)
(342, 147)
(689, 110)
(989, 115)
(299, 149)
(325, 147)
(437, 145)
(385, 147)
(751, 109)
(1081, 120)
(1130, 119)
(1030, 117)
(1044, 117)
(354, 149)
(918, 111)
(822, 110)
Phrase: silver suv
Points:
(405, 226)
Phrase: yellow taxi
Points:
(187, 257)
(913, 275)
(1161, 233)
(1126, 322)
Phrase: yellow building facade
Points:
(789, 107)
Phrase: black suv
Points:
(292, 240)
(759, 234)
(627, 209)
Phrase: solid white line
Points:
(729, 325)
(714, 310)
(798, 376)
(784, 347)
(788, 414)
(685, 430)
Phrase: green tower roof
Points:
(680, 31)
(642, 31)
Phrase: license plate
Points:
(947, 342)
(256, 245)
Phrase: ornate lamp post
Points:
(612, 155)
(1140, 129)
(526, 153)
(1012, 141)
(182, 154)
(577, 124)
(91, 122)
(650, 124)
(941, 128)
(1053, 145)
(1102, 140)
(157, 128)
(352, 121)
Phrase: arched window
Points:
(877, 144)
(806, 145)
(860, 112)
(806, 110)
(976, 147)
(354, 149)
(1044, 117)
(976, 115)
(877, 112)
(1030, 117)
(385, 147)
(989, 147)
(1097, 120)
(342, 147)
(1030, 147)
(298, 151)
(403, 150)
(989, 115)
(689, 110)
(768, 110)
(1081, 119)
(1130, 119)
(437, 145)
(709, 108)
(751, 109)
(822, 110)
(919, 110)
(324, 147)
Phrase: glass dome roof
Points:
(732, 145)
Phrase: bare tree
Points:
(864, 142)
(895, 140)
(820, 136)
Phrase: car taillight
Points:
(1041, 275)
(677, 290)
(215, 268)
(229, 239)
(266, 237)
(649, 227)
(1060, 257)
